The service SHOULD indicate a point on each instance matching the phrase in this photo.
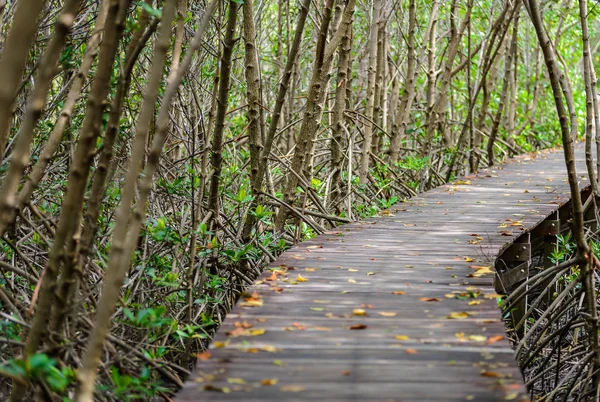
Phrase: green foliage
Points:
(39, 367)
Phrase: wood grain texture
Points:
(409, 349)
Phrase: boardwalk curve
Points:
(366, 312)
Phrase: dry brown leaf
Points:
(203, 355)
(387, 313)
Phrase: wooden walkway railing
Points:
(397, 308)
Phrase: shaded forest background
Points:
(155, 156)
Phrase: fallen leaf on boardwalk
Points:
(299, 326)
(357, 326)
(252, 301)
(346, 373)
(310, 269)
(359, 312)
(322, 301)
(236, 332)
(494, 339)
(242, 324)
(370, 273)
(269, 381)
(278, 363)
(386, 213)
(474, 302)
(301, 279)
(477, 338)
(203, 356)
(239, 381)
(293, 388)
(410, 351)
(409, 266)
(468, 259)
(429, 299)
(262, 319)
(255, 332)
(513, 395)
(351, 280)
(409, 224)
(450, 296)
(352, 270)
(491, 374)
(458, 315)
(506, 233)
(398, 292)
(269, 348)
(212, 388)
(317, 308)
(219, 344)
(367, 306)
(402, 337)
(502, 226)
(276, 289)
(480, 272)
(387, 314)
(462, 182)
(460, 336)
(273, 277)
(322, 329)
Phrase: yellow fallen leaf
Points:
(310, 269)
(450, 296)
(468, 259)
(269, 381)
(370, 273)
(301, 279)
(255, 332)
(359, 312)
(293, 388)
(351, 280)
(240, 381)
(410, 351)
(352, 270)
(458, 315)
(474, 302)
(387, 314)
(482, 271)
(402, 337)
(478, 338)
(398, 292)
(219, 344)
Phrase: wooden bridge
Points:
(401, 307)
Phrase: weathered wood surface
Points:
(409, 349)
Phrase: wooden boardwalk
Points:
(397, 308)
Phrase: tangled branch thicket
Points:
(154, 156)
